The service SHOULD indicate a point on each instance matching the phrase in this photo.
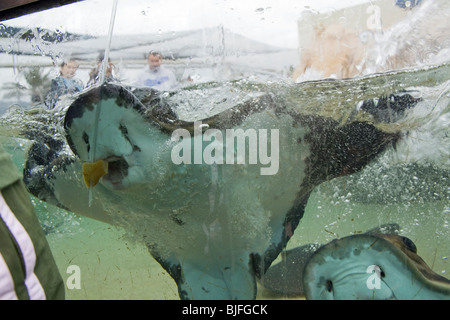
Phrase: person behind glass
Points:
(65, 83)
(155, 75)
(94, 74)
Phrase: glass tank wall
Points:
(238, 138)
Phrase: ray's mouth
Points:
(112, 170)
(117, 170)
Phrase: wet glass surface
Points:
(290, 74)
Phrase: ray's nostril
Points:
(86, 140)
(124, 130)
(329, 285)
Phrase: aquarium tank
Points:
(230, 149)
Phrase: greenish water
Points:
(114, 266)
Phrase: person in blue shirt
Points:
(155, 75)
(407, 3)
(65, 83)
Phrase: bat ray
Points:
(286, 277)
(370, 266)
(207, 223)
(214, 206)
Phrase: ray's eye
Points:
(329, 285)
(409, 244)
(382, 274)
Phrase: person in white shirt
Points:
(155, 75)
